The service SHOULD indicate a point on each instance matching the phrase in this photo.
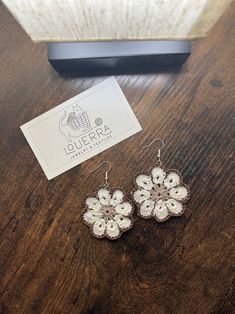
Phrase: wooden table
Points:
(49, 261)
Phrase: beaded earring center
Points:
(108, 212)
(159, 192)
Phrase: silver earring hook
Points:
(159, 149)
(106, 172)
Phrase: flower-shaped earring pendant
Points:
(108, 213)
(160, 193)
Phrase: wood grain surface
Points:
(49, 262)
(86, 20)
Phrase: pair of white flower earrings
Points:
(158, 194)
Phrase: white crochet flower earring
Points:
(160, 193)
(108, 213)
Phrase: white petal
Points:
(93, 203)
(123, 222)
(172, 180)
(158, 175)
(141, 195)
(104, 196)
(146, 208)
(91, 216)
(99, 227)
(124, 208)
(144, 181)
(117, 198)
(160, 211)
(112, 229)
(180, 193)
(174, 206)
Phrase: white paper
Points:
(81, 127)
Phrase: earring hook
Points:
(106, 172)
(159, 149)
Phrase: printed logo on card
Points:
(80, 132)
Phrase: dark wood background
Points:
(49, 261)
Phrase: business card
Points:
(81, 127)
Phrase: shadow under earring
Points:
(160, 193)
(108, 213)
